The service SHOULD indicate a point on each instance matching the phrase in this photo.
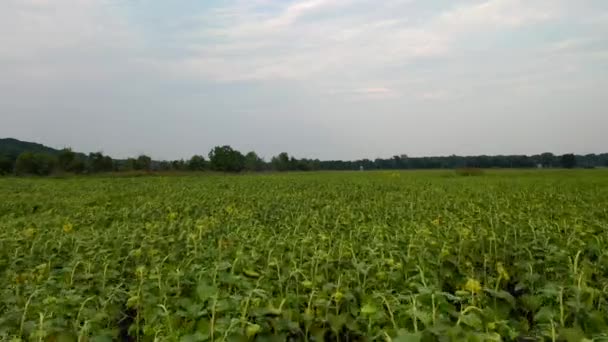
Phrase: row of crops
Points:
(409, 256)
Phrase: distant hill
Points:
(12, 148)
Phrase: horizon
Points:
(268, 158)
(320, 79)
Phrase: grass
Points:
(408, 256)
(469, 171)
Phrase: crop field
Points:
(342, 256)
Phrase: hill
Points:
(12, 148)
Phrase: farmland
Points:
(394, 256)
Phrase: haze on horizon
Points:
(328, 79)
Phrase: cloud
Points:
(49, 40)
(495, 14)
(282, 45)
(298, 9)
(313, 39)
(374, 90)
(353, 72)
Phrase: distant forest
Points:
(26, 158)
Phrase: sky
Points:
(328, 79)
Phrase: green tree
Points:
(143, 163)
(35, 164)
(130, 164)
(77, 166)
(69, 161)
(547, 159)
(108, 163)
(178, 165)
(25, 164)
(6, 165)
(226, 159)
(100, 163)
(65, 158)
(45, 164)
(253, 162)
(568, 161)
(164, 165)
(280, 162)
(197, 163)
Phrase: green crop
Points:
(389, 256)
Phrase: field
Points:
(390, 256)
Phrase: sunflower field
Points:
(335, 256)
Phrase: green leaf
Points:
(506, 296)
(595, 322)
(318, 333)
(572, 334)
(269, 338)
(531, 303)
(203, 327)
(132, 301)
(252, 330)
(251, 273)
(196, 337)
(472, 320)
(461, 293)
(544, 315)
(99, 338)
(452, 297)
(368, 309)
(65, 337)
(268, 311)
(489, 337)
(225, 305)
(551, 291)
(336, 322)
(205, 291)
(404, 336)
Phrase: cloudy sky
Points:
(316, 78)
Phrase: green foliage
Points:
(197, 163)
(253, 162)
(65, 158)
(568, 161)
(40, 164)
(280, 162)
(469, 171)
(178, 165)
(164, 166)
(100, 163)
(547, 160)
(226, 159)
(394, 256)
(129, 165)
(6, 165)
(143, 163)
(69, 161)
(25, 164)
(12, 148)
(229, 160)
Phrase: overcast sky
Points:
(316, 78)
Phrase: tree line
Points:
(227, 159)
